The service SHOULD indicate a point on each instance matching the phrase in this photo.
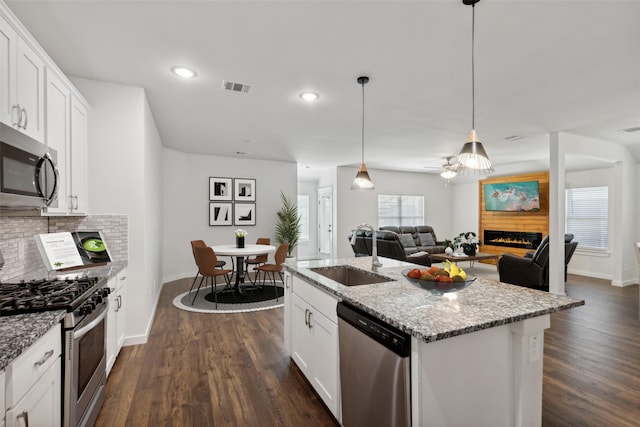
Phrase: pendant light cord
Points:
(473, 80)
(362, 123)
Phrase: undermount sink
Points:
(350, 276)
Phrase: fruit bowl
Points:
(438, 287)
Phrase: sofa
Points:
(418, 238)
(389, 246)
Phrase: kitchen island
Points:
(476, 355)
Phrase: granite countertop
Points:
(19, 332)
(485, 304)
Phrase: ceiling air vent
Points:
(235, 87)
(514, 137)
(633, 129)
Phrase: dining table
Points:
(240, 254)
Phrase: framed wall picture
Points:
(220, 188)
(244, 214)
(220, 213)
(244, 190)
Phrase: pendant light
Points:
(472, 158)
(362, 180)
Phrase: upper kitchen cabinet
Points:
(58, 136)
(39, 100)
(22, 83)
(78, 158)
(66, 127)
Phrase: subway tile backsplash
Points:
(19, 247)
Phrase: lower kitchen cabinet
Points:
(34, 384)
(314, 341)
(2, 409)
(41, 406)
(116, 318)
(288, 303)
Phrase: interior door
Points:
(325, 221)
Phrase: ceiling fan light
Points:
(448, 174)
(362, 181)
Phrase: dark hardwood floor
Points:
(231, 370)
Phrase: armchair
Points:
(532, 270)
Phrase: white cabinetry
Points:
(58, 135)
(34, 384)
(67, 134)
(314, 340)
(22, 83)
(78, 158)
(116, 318)
(288, 304)
(2, 409)
(30, 92)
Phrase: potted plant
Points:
(468, 241)
(288, 225)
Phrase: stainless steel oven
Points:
(85, 361)
(28, 171)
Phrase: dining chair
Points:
(201, 244)
(206, 260)
(279, 258)
(258, 260)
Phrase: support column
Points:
(556, 214)
(527, 350)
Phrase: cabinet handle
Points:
(18, 116)
(306, 316)
(26, 118)
(75, 202)
(24, 415)
(286, 282)
(310, 325)
(119, 302)
(46, 356)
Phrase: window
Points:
(587, 216)
(303, 212)
(400, 210)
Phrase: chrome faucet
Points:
(375, 263)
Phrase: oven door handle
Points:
(83, 331)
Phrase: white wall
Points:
(356, 207)
(309, 250)
(125, 171)
(186, 203)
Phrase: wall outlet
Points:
(534, 348)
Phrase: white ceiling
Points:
(541, 66)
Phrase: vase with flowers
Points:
(240, 235)
(468, 241)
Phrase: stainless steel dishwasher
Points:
(374, 370)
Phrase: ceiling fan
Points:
(448, 170)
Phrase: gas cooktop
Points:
(46, 295)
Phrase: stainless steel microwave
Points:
(28, 172)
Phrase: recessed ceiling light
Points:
(184, 72)
(309, 96)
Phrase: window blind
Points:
(400, 210)
(587, 216)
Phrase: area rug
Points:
(253, 300)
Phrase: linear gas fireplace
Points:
(512, 239)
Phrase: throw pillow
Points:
(407, 241)
(426, 239)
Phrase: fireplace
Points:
(512, 239)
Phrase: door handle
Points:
(46, 357)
